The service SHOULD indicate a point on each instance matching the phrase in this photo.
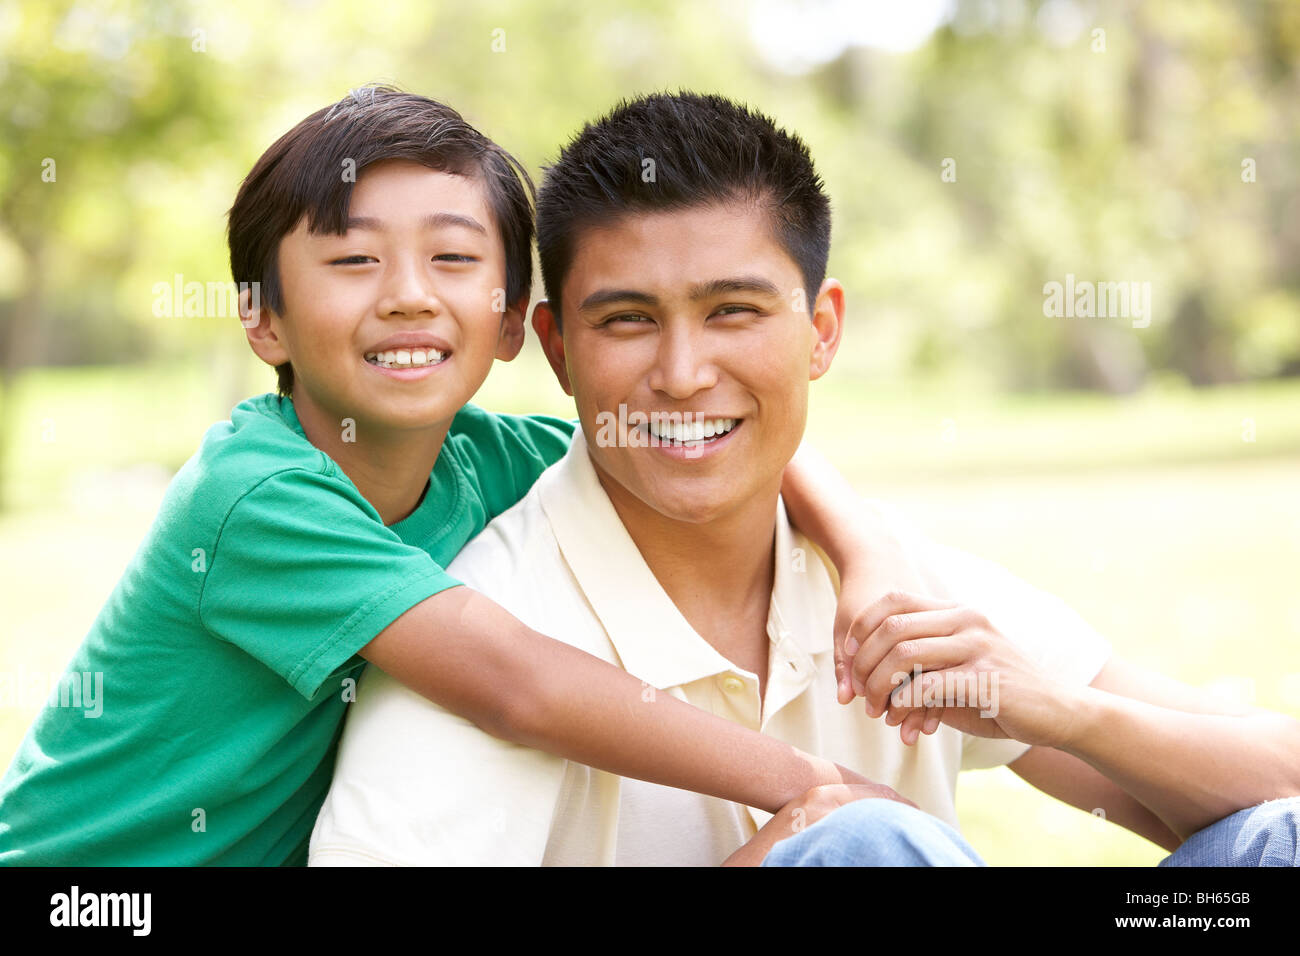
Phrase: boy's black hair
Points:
(311, 170)
(672, 151)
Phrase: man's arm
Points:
(464, 652)
(1168, 747)
(1186, 759)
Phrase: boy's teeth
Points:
(697, 430)
(405, 358)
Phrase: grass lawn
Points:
(1172, 535)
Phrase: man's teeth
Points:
(698, 430)
(406, 358)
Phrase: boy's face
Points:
(393, 324)
(702, 311)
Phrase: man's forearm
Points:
(1190, 769)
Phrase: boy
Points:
(308, 535)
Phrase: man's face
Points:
(393, 323)
(695, 311)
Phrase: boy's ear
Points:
(511, 339)
(260, 326)
(828, 327)
(548, 331)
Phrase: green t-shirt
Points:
(229, 647)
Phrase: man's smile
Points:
(688, 437)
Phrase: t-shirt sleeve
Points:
(505, 454)
(303, 574)
(1051, 633)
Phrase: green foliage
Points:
(1123, 163)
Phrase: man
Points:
(681, 239)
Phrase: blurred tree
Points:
(88, 90)
(1024, 140)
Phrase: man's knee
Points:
(1271, 836)
(876, 832)
(1267, 834)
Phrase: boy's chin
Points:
(416, 418)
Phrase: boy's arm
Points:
(521, 686)
(854, 534)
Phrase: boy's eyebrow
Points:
(700, 290)
(436, 220)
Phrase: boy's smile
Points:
(395, 323)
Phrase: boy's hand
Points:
(919, 649)
(873, 566)
(802, 812)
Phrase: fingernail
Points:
(851, 647)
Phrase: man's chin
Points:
(695, 505)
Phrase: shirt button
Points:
(733, 685)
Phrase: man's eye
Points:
(629, 318)
(352, 260)
(735, 310)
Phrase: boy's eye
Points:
(352, 260)
(453, 257)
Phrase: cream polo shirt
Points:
(416, 784)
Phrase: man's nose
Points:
(408, 289)
(683, 364)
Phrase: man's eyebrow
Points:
(437, 220)
(610, 296)
(715, 287)
(700, 290)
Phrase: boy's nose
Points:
(408, 290)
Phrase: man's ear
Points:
(511, 339)
(548, 332)
(828, 326)
(261, 327)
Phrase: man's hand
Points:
(802, 812)
(919, 661)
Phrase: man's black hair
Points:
(311, 170)
(666, 152)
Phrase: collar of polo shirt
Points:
(653, 640)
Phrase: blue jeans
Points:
(1265, 835)
(875, 832)
(879, 832)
